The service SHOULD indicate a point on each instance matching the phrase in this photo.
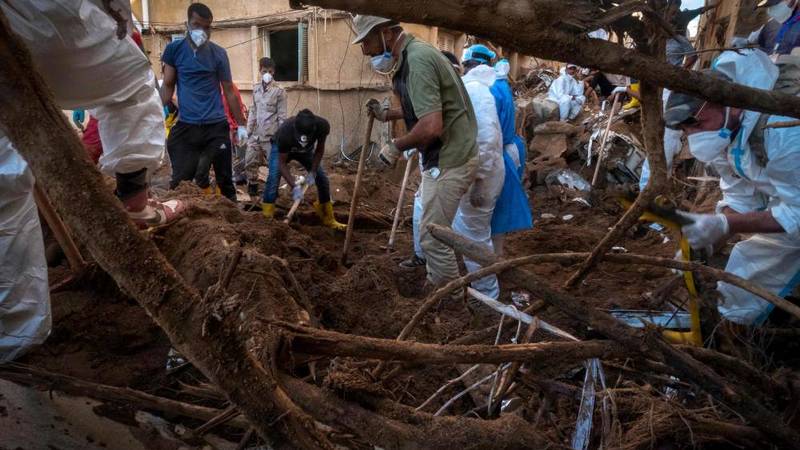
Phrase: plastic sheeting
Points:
(24, 293)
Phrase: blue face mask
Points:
(383, 63)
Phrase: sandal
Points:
(413, 262)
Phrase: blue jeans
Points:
(274, 177)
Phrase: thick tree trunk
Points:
(531, 27)
(41, 134)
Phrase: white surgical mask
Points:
(384, 63)
(780, 12)
(199, 37)
(266, 78)
(706, 146)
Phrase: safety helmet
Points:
(364, 24)
(479, 52)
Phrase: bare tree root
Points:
(323, 342)
(653, 130)
(649, 345)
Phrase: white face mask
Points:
(384, 63)
(706, 146)
(780, 12)
(266, 78)
(199, 37)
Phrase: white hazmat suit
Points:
(567, 92)
(748, 184)
(74, 46)
(475, 221)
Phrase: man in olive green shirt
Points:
(438, 114)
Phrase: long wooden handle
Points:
(399, 208)
(601, 152)
(295, 205)
(354, 198)
(64, 238)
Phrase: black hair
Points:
(471, 64)
(199, 9)
(451, 57)
(266, 63)
(305, 122)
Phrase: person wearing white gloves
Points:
(759, 182)
(89, 61)
(201, 139)
(567, 92)
(474, 216)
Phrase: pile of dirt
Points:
(102, 336)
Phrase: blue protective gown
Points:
(512, 211)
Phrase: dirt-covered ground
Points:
(102, 336)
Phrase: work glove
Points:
(297, 193)
(377, 110)
(477, 197)
(408, 154)
(389, 154)
(705, 229)
(311, 179)
(619, 90)
(241, 134)
(78, 116)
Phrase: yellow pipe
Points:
(695, 336)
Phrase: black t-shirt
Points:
(289, 140)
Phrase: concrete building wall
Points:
(340, 79)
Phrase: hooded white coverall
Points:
(769, 260)
(74, 46)
(474, 222)
(567, 92)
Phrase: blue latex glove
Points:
(311, 179)
(241, 134)
(297, 192)
(78, 116)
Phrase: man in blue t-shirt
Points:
(201, 137)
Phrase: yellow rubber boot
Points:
(268, 210)
(634, 103)
(209, 191)
(325, 212)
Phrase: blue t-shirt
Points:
(200, 72)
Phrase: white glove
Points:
(241, 134)
(706, 229)
(389, 154)
(619, 90)
(311, 179)
(408, 154)
(297, 192)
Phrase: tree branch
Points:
(518, 25)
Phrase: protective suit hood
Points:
(483, 74)
(751, 68)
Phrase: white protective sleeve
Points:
(24, 292)
(490, 138)
(75, 48)
(783, 172)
